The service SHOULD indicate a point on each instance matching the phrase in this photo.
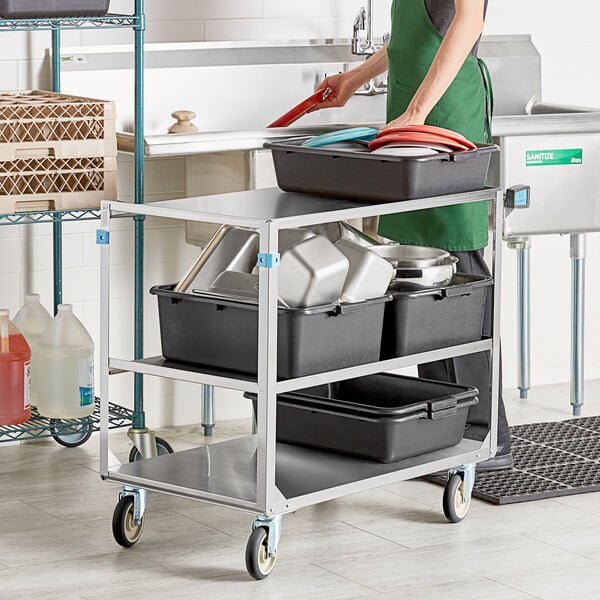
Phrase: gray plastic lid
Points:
(32, 297)
(65, 307)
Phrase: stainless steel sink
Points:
(533, 136)
(235, 88)
(555, 149)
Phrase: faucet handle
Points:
(360, 23)
(360, 36)
(184, 122)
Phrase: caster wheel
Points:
(454, 503)
(258, 561)
(70, 434)
(162, 446)
(125, 531)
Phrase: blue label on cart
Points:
(86, 396)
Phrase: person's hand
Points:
(406, 118)
(342, 85)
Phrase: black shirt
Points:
(441, 13)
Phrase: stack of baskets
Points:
(57, 152)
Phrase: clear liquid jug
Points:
(14, 374)
(65, 363)
(32, 320)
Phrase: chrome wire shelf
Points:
(106, 21)
(53, 216)
(39, 427)
(49, 216)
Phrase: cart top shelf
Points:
(254, 208)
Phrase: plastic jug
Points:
(15, 356)
(65, 365)
(32, 320)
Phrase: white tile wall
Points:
(9, 74)
(567, 40)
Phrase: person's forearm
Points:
(375, 65)
(342, 86)
(462, 34)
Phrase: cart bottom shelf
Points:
(225, 473)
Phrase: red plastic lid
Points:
(301, 109)
(429, 129)
(422, 139)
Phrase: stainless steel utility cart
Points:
(254, 473)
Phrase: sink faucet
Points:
(363, 45)
(362, 38)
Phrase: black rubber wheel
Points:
(162, 446)
(258, 561)
(70, 434)
(125, 532)
(454, 503)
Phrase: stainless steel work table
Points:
(254, 473)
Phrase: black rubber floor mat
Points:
(540, 432)
(586, 447)
(550, 459)
(589, 423)
(531, 456)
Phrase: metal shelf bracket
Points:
(269, 261)
(102, 237)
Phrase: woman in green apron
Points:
(434, 77)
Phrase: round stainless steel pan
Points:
(410, 257)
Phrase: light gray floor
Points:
(389, 543)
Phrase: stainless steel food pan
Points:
(230, 249)
(340, 230)
(289, 237)
(312, 273)
(369, 275)
(237, 286)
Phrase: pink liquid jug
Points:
(15, 357)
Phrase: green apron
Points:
(465, 107)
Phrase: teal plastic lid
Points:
(343, 135)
